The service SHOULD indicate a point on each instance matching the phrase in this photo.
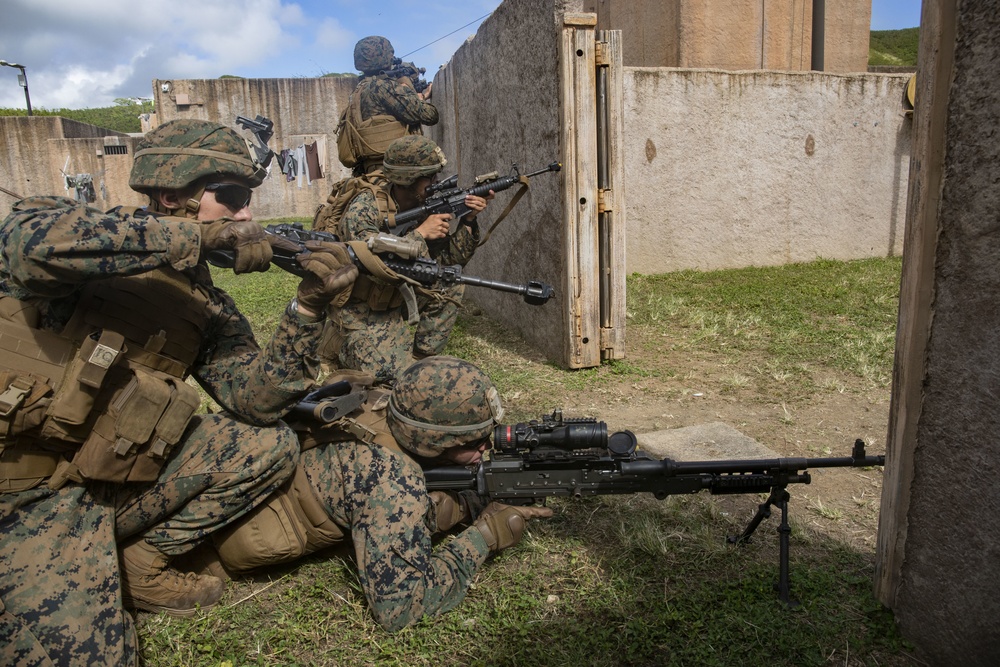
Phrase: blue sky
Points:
(86, 54)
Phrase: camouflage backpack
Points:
(328, 216)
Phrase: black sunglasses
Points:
(232, 195)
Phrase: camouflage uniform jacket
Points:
(362, 220)
(51, 246)
(379, 495)
(381, 95)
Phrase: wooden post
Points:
(579, 140)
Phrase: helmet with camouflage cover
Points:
(373, 54)
(183, 151)
(411, 157)
(442, 402)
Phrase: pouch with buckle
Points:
(133, 438)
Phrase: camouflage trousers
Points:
(60, 591)
(383, 344)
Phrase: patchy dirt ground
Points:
(820, 413)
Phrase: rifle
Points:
(262, 128)
(410, 71)
(576, 457)
(447, 197)
(400, 255)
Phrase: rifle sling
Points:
(517, 196)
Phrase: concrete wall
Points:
(36, 152)
(303, 110)
(732, 169)
(736, 34)
(499, 99)
(938, 553)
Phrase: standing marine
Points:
(382, 108)
(104, 317)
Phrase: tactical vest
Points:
(365, 141)
(293, 522)
(105, 399)
(328, 217)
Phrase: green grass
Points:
(607, 581)
(612, 580)
(836, 314)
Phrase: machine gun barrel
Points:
(429, 272)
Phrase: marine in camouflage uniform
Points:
(139, 276)
(375, 338)
(377, 94)
(441, 410)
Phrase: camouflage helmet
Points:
(373, 54)
(442, 402)
(183, 151)
(411, 157)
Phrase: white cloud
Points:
(87, 54)
(332, 36)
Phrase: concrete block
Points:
(703, 442)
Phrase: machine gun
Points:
(263, 129)
(399, 255)
(447, 197)
(576, 457)
(410, 71)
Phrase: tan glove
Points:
(331, 275)
(503, 525)
(245, 238)
(455, 507)
(448, 510)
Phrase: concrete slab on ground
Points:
(703, 442)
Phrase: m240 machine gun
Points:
(557, 456)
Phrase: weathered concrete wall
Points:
(303, 110)
(499, 98)
(36, 151)
(736, 34)
(938, 553)
(732, 169)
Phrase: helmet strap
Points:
(187, 210)
(193, 203)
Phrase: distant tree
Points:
(123, 117)
(894, 47)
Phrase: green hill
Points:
(893, 47)
(123, 117)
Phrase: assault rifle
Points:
(263, 129)
(576, 457)
(400, 255)
(401, 69)
(447, 197)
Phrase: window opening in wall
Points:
(116, 150)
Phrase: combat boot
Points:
(149, 584)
